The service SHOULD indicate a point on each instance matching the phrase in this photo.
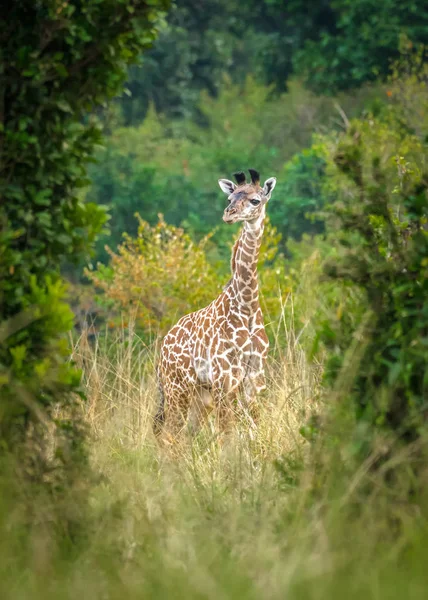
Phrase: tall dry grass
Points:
(119, 379)
(266, 515)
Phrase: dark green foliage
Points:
(301, 195)
(200, 43)
(58, 61)
(358, 41)
(171, 166)
(203, 41)
(336, 45)
(382, 238)
(284, 27)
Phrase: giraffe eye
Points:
(255, 201)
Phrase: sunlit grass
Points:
(119, 378)
(263, 514)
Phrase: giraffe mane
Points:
(232, 262)
(233, 257)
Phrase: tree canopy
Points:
(335, 45)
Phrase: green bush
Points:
(59, 60)
(379, 228)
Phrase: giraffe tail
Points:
(159, 418)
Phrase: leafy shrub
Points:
(379, 227)
(62, 60)
(158, 276)
(407, 90)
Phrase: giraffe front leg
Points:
(226, 413)
(254, 383)
(251, 387)
(226, 399)
(200, 410)
(228, 374)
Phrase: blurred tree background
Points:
(336, 45)
(226, 87)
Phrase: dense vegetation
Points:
(167, 166)
(336, 45)
(59, 61)
(327, 496)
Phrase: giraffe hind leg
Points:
(159, 418)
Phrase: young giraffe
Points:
(213, 354)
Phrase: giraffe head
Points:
(247, 201)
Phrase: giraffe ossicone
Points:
(213, 355)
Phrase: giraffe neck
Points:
(244, 285)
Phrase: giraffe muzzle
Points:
(230, 217)
(230, 214)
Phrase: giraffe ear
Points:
(228, 187)
(269, 186)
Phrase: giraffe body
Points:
(213, 355)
